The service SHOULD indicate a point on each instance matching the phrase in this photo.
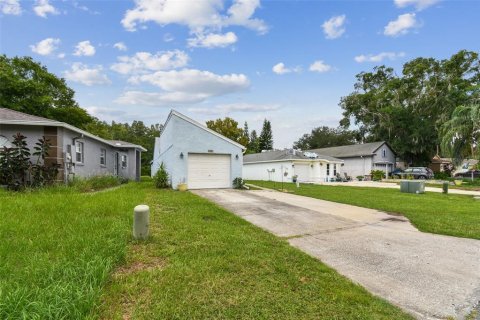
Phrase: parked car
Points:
(417, 173)
(396, 173)
(468, 174)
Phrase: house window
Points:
(124, 161)
(328, 169)
(4, 143)
(79, 151)
(384, 153)
(334, 169)
(103, 157)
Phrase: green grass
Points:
(69, 255)
(57, 248)
(454, 215)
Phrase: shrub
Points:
(377, 175)
(360, 178)
(441, 175)
(96, 183)
(17, 171)
(161, 178)
(238, 183)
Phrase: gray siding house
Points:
(360, 159)
(78, 152)
(196, 155)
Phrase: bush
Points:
(360, 178)
(96, 183)
(377, 175)
(441, 175)
(238, 183)
(161, 178)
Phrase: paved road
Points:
(430, 276)
(390, 185)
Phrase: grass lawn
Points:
(454, 215)
(68, 255)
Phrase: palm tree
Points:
(461, 134)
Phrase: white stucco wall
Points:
(307, 171)
(357, 166)
(180, 136)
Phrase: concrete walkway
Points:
(390, 185)
(430, 276)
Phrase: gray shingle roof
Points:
(282, 155)
(354, 150)
(8, 114)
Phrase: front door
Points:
(115, 164)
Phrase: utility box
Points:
(412, 186)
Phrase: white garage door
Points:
(208, 171)
(303, 171)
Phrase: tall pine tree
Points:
(266, 136)
(246, 133)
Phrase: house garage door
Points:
(303, 172)
(208, 171)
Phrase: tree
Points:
(409, 110)
(323, 137)
(246, 133)
(253, 146)
(461, 134)
(27, 86)
(228, 128)
(265, 141)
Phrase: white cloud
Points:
(46, 46)
(197, 15)
(10, 7)
(401, 26)
(120, 46)
(43, 7)
(183, 87)
(194, 81)
(236, 107)
(143, 62)
(280, 68)
(84, 48)
(88, 76)
(158, 98)
(419, 4)
(334, 27)
(320, 66)
(212, 40)
(61, 55)
(379, 57)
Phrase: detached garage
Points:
(196, 155)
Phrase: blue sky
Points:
(287, 61)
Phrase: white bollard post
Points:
(141, 217)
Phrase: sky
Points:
(286, 61)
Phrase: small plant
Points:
(377, 175)
(360, 178)
(160, 178)
(238, 183)
(294, 178)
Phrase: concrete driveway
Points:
(430, 276)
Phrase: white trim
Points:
(67, 126)
(199, 125)
(295, 160)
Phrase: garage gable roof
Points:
(354, 150)
(280, 155)
(201, 126)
